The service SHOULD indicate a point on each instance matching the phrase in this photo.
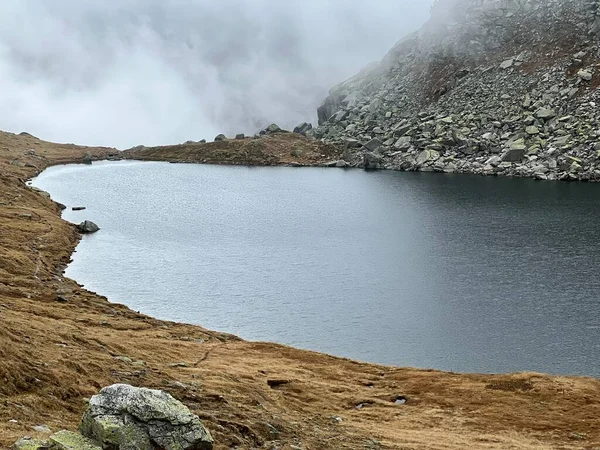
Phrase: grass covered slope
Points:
(280, 148)
(55, 354)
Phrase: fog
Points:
(154, 72)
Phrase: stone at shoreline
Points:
(127, 417)
(371, 161)
(513, 155)
(87, 159)
(88, 227)
(373, 145)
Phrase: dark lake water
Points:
(452, 272)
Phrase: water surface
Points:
(436, 271)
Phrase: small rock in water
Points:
(88, 227)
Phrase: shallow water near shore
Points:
(451, 272)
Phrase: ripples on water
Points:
(451, 272)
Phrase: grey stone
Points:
(545, 113)
(371, 161)
(403, 143)
(240, 136)
(426, 156)
(513, 155)
(374, 145)
(28, 443)
(507, 63)
(88, 227)
(67, 440)
(585, 75)
(220, 137)
(273, 128)
(130, 418)
(303, 128)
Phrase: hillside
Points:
(496, 87)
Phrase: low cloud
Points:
(165, 71)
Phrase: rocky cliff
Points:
(507, 87)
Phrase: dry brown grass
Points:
(269, 150)
(54, 355)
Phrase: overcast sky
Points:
(152, 72)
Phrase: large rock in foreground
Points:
(125, 417)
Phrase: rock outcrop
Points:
(501, 87)
(123, 417)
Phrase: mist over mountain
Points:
(156, 72)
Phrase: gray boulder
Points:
(303, 128)
(273, 128)
(67, 440)
(124, 417)
(88, 227)
(87, 159)
(63, 440)
(374, 145)
(220, 137)
(28, 443)
(371, 161)
(240, 136)
(513, 155)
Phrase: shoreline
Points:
(72, 349)
(552, 368)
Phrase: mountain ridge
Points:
(502, 87)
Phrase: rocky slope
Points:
(60, 344)
(505, 87)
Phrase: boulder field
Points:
(490, 87)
